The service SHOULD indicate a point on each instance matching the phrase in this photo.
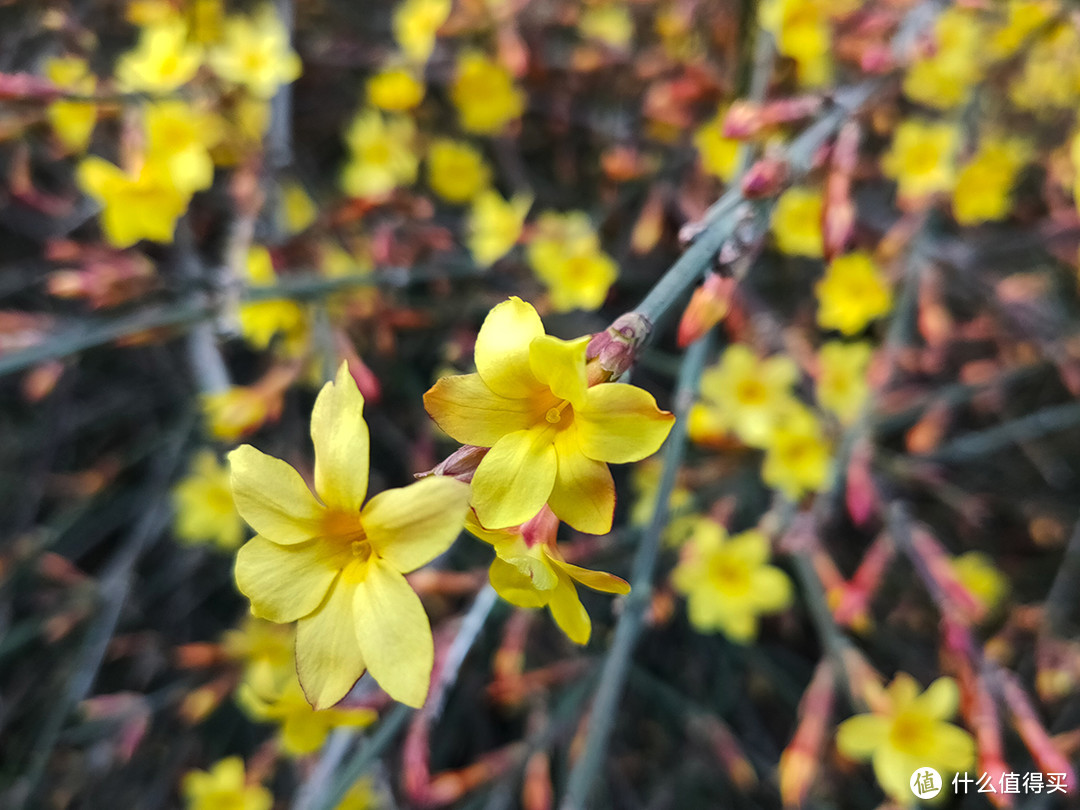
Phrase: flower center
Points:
(912, 734)
(730, 575)
(752, 392)
(555, 415)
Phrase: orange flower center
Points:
(561, 415)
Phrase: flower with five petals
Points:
(334, 564)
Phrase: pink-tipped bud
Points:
(708, 306)
(765, 178)
(461, 464)
(615, 348)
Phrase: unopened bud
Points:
(765, 178)
(461, 464)
(614, 349)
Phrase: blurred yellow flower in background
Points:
(565, 253)
(262, 321)
(457, 171)
(415, 24)
(163, 60)
(797, 455)
(842, 387)
(608, 22)
(224, 786)
(718, 154)
(204, 507)
(796, 223)
(982, 579)
(484, 94)
(395, 89)
(852, 293)
(493, 225)
(921, 158)
(750, 391)
(144, 204)
(255, 53)
(984, 185)
(180, 136)
(382, 154)
(72, 121)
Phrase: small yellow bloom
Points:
(944, 79)
(920, 158)
(911, 732)
(530, 572)
(978, 574)
(802, 30)
(718, 154)
(383, 155)
(255, 53)
(163, 60)
(797, 458)
(493, 225)
(750, 392)
(395, 89)
(551, 436)
(485, 96)
(984, 186)
(796, 223)
(302, 729)
(204, 506)
(361, 796)
(224, 786)
(609, 23)
(265, 651)
(72, 121)
(236, 412)
(298, 210)
(841, 384)
(145, 205)
(1023, 17)
(457, 171)
(852, 293)
(415, 24)
(334, 564)
(1049, 80)
(728, 582)
(565, 254)
(180, 137)
(262, 321)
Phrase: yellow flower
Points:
(382, 154)
(415, 25)
(485, 96)
(530, 572)
(920, 158)
(180, 137)
(907, 734)
(456, 170)
(1049, 80)
(72, 121)
(298, 210)
(728, 582)
(235, 412)
(163, 60)
(750, 392)
(395, 89)
(984, 185)
(609, 23)
(204, 506)
(1022, 20)
(223, 786)
(550, 435)
(796, 223)
(718, 154)
(977, 572)
(261, 321)
(797, 457)
(944, 79)
(841, 384)
(302, 729)
(334, 564)
(803, 33)
(255, 53)
(145, 205)
(852, 293)
(361, 796)
(493, 225)
(264, 649)
(565, 253)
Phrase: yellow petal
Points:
(893, 771)
(583, 494)
(303, 734)
(517, 587)
(568, 612)
(394, 634)
(954, 748)
(771, 589)
(284, 583)
(621, 423)
(411, 526)
(472, 413)
(98, 177)
(272, 497)
(328, 659)
(597, 580)
(940, 699)
(858, 737)
(514, 480)
(340, 436)
(502, 348)
(560, 365)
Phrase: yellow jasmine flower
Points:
(493, 225)
(728, 582)
(920, 158)
(456, 170)
(255, 53)
(1049, 79)
(797, 457)
(1023, 17)
(334, 564)
(224, 786)
(908, 733)
(485, 96)
(707, 424)
(181, 136)
(72, 121)
(852, 293)
(718, 154)
(551, 436)
(264, 649)
(530, 572)
(361, 796)
(944, 79)
(261, 321)
(149, 12)
(978, 574)
(395, 89)
(235, 412)
(750, 392)
(204, 506)
(383, 154)
(163, 60)
(796, 223)
(302, 729)
(984, 185)
(143, 205)
(298, 210)
(415, 24)
(207, 19)
(841, 384)
(565, 254)
(803, 33)
(609, 23)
